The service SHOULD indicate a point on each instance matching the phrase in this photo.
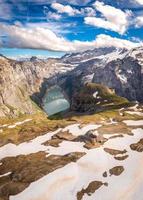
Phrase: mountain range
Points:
(23, 84)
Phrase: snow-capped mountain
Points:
(119, 69)
(98, 53)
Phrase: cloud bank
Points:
(139, 2)
(112, 18)
(43, 38)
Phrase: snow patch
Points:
(122, 78)
(95, 94)
(133, 122)
(19, 123)
(75, 130)
(72, 178)
(6, 174)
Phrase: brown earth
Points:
(92, 187)
(114, 152)
(29, 168)
(116, 171)
(53, 142)
(137, 146)
(64, 136)
(114, 129)
(116, 136)
(121, 157)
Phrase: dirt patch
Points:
(116, 171)
(114, 129)
(53, 142)
(116, 136)
(89, 145)
(114, 152)
(92, 187)
(105, 174)
(137, 146)
(58, 138)
(27, 169)
(64, 136)
(121, 157)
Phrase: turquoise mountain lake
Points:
(54, 101)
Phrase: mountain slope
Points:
(96, 97)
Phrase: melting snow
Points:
(134, 113)
(66, 147)
(3, 126)
(95, 94)
(70, 179)
(122, 77)
(34, 146)
(133, 122)
(75, 130)
(129, 71)
(19, 123)
(6, 174)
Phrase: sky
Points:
(51, 28)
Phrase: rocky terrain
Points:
(24, 83)
(58, 159)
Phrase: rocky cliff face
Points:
(124, 76)
(20, 80)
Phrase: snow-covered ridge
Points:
(105, 54)
(137, 54)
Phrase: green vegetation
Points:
(105, 98)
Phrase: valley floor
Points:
(89, 157)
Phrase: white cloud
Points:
(139, 1)
(59, 28)
(43, 38)
(99, 22)
(88, 11)
(65, 9)
(112, 18)
(108, 41)
(51, 15)
(79, 2)
(139, 22)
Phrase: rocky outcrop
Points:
(94, 97)
(125, 76)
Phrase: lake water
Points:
(55, 101)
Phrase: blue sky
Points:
(47, 28)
